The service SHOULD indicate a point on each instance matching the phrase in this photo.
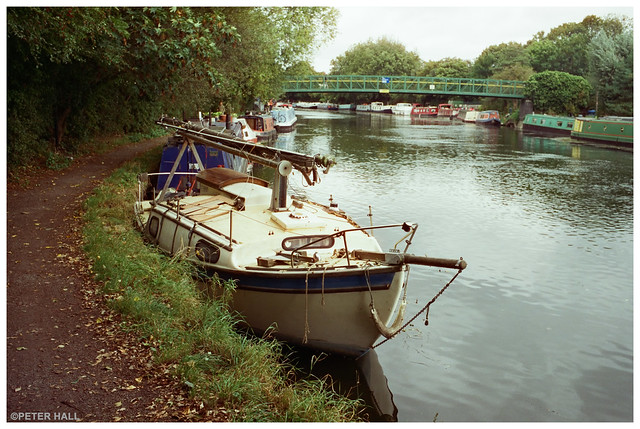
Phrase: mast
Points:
(264, 155)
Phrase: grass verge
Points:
(195, 335)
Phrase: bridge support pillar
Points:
(526, 107)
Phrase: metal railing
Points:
(406, 85)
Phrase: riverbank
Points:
(137, 342)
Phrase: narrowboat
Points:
(403, 108)
(346, 107)
(446, 111)
(363, 107)
(488, 117)
(467, 115)
(187, 161)
(421, 112)
(306, 105)
(380, 107)
(263, 125)
(284, 118)
(303, 272)
(609, 129)
(548, 124)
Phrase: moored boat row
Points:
(611, 130)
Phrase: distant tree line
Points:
(75, 73)
(575, 66)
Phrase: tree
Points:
(565, 48)
(383, 57)
(558, 92)
(272, 41)
(514, 72)
(78, 72)
(447, 67)
(103, 69)
(611, 72)
(496, 58)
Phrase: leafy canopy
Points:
(558, 92)
(383, 57)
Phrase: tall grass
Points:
(195, 334)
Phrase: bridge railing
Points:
(405, 84)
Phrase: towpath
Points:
(68, 357)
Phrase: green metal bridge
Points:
(406, 85)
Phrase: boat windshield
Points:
(308, 241)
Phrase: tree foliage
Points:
(558, 92)
(75, 72)
(383, 57)
(496, 58)
(447, 67)
(566, 47)
(611, 72)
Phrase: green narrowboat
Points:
(548, 124)
(609, 129)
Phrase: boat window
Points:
(207, 252)
(318, 242)
(559, 123)
(154, 222)
(569, 124)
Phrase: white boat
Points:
(402, 108)
(304, 272)
(284, 118)
(306, 104)
(470, 116)
(240, 128)
(363, 108)
(380, 107)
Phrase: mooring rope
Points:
(426, 307)
(382, 328)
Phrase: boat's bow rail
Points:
(299, 245)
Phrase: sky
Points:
(462, 32)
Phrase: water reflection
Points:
(357, 378)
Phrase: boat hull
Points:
(489, 117)
(548, 125)
(610, 131)
(323, 305)
(285, 119)
(424, 112)
(324, 311)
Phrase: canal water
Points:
(539, 327)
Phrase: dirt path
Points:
(68, 358)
